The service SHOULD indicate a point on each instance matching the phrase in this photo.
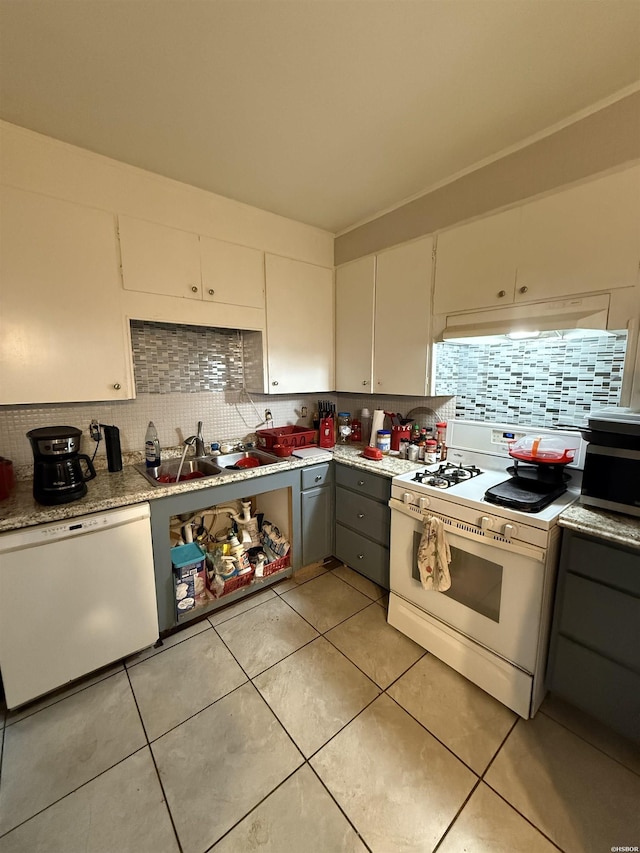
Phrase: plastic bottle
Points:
(152, 447)
(365, 418)
(239, 554)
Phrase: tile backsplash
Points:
(532, 382)
(168, 358)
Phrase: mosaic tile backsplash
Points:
(168, 358)
(534, 382)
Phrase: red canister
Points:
(7, 478)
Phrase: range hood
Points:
(586, 312)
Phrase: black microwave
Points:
(611, 478)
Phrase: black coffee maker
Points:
(58, 475)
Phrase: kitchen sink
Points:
(192, 469)
(245, 459)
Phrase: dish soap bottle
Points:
(152, 447)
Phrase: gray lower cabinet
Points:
(594, 660)
(363, 522)
(316, 509)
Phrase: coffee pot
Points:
(58, 473)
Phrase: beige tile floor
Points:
(298, 720)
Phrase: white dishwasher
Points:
(74, 596)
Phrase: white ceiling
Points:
(325, 111)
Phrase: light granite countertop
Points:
(123, 488)
(609, 526)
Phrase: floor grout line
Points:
(153, 759)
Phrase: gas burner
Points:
(457, 473)
(446, 476)
(439, 482)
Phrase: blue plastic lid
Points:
(182, 555)
(384, 432)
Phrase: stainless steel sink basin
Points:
(235, 461)
(192, 469)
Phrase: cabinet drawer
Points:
(600, 687)
(602, 618)
(371, 485)
(316, 475)
(605, 564)
(367, 557)
(364, 515)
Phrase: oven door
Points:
(496, 589)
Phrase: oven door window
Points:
(475, 581)
(496, 588)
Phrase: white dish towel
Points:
(434, 555)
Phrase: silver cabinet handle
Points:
(117, 386)
(365, 381)
(194, 289)
(361, 556)
(318, 478)
(523, 289)
(360, 515)
(275, 382)
(361, 482)
(211, 291)
(501, 293)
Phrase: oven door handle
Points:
(451, 530)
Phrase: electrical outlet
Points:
(303, 413)
(267, 415)
(94, 430)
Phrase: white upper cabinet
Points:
(402, 327)
(355, 306)
(300, 326)
(581, 240)
(231, 274)
(166, 261)
(577, 241)
(63, 337)
(476, 264)
(158, 259)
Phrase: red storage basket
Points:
(290, 436)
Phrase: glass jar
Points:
(344, 427)
(383, 440)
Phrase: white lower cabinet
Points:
(63, 336)
(300, 327)
(383, 322)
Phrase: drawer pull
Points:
(360, 515)
(361, 556)
(318, 478)
(361, 482)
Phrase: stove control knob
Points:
(509, 530)
(407, 498)
(486, 522)
(424, 503)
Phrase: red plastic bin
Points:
(296, 436)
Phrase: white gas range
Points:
(492, 625)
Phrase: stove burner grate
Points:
(447, 475)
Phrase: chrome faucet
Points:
(196, 440)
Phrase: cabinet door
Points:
(231, 274)
(300, 327)
(581, 240)
(355, 303)
(402, 337)
(317, 524)
(63, 336)
(476, 264)
(158, 259)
